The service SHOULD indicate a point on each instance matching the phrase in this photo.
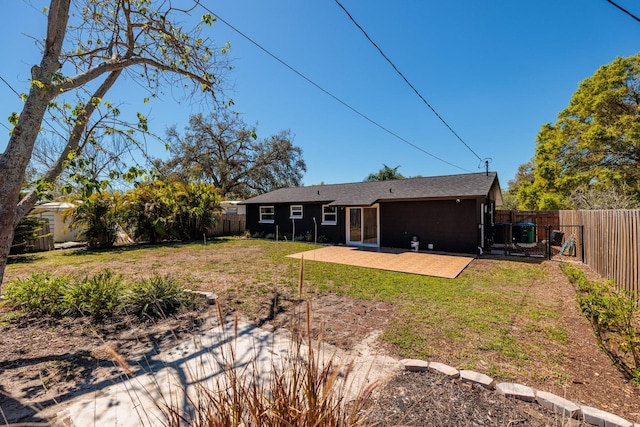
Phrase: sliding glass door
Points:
(362, 226)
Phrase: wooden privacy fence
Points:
(230, 225)
(44, 242)
(611, 243)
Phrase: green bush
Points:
(28, 228)
(157, 211)
(99, 296)
(158, 297)
(98, 217)
(40, 294)
(615, 317)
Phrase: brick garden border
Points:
(547, 400)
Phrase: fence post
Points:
(582, 243)
(548, 227)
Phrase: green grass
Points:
(493, 313)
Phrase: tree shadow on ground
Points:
(23, 258)
(142, 246)
(13, 410)
(93, 374)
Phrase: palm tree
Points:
(384, 174)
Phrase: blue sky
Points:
(495, 70)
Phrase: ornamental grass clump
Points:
(306, 388)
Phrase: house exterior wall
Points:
(331, 233)
(447, 225)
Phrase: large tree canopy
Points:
(222, 150)
(595, 143)
(524, 177)
(89, 45)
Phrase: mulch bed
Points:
(431, 399)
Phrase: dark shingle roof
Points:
(368, 193)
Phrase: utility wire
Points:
(406, 80)
(624, 10)
(14, 91)
(308, 80)
(9, 86)
(20, 96)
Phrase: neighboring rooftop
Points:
(368, 193)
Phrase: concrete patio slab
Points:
(175, 378)
(422, 263)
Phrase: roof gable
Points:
(368, 193)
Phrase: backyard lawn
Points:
(516, 319)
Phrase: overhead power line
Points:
(14, 91)
(623, 10)
(407, 81)
(9, 86)
(317, 86)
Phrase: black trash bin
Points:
(502, 233)
(556, 238)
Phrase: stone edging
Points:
(521, 392)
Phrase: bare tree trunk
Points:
(154, 46)
(14, 160)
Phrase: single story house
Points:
(451, 213)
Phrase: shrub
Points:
(98, 296)
(157, 211)
(158, 297)
(615, 318)
(197, 209)
(40, 294)
(28, 228)
(98, 218)
(147, 211)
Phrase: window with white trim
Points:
(295, 212)
(267, 214)
(329, 215)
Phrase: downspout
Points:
(482, 215)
